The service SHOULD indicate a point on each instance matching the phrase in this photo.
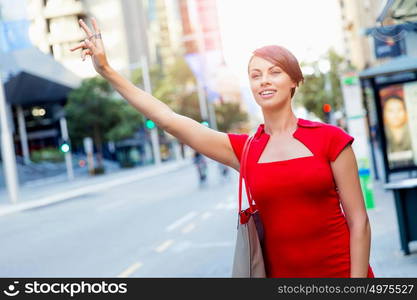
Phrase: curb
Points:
(106, 184)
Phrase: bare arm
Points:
(345, 172)
(209, 142)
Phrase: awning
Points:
(401, 64)
(32, 77)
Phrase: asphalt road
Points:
(164, 226)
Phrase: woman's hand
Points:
(93, 46)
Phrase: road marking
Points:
(126, 273)
(179, 222)
(188, 228)
(92, 187)
(206, 215)
(165, 245)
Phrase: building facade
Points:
(356, 17)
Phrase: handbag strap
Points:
(242, 174)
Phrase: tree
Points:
(93, 111)
(336, 65)
(228, 115)
(313, 94)
(177, 87)
(174, 85)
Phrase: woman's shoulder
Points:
(238, 140)
(329, 128)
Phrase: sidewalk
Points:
(47, 191)
(387, 258)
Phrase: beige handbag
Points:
(248, 260)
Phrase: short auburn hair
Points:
(282, 58)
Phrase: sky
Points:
(305, 27)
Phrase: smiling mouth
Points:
(267, 93)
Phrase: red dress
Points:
(305, 230)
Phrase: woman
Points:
(201, 164)
(396, 121)
(294, 167)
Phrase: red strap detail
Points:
(242, 174)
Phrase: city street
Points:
(160, 225)
(164, 226)
(104, 114)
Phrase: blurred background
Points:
(91, 188)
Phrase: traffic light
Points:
(205, 123)
(64, 147)
(350, 80)
(327, 108)
(149, 124)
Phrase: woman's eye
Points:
(255, 76)
(276, 72)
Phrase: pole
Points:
(68, 155)
(7, 150)
(202, 100)
(146, 78)
(88, 148)
(154, 131)
(23, 135)
(213, 120)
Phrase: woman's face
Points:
(270, 85)
(394, 112)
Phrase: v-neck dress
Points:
(305, 230)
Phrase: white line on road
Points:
(165, 245)
(126, 273)
(180, 221)
(188, 228)
(90, 188)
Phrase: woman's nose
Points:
(265, 81)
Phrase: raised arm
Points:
(209, 142)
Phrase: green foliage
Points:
(177, 88)
(130, 121)
(228, 115)
(189, 106)
(92, 110)
(312, 94)
(171, 84)
(47, 154)
(336, 63)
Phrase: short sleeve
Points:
(338, 139)
(238, 142)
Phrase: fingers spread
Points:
(90, 45)
(80, 45)
(95, 26)
(85, 27)
(85, 52)
(83, 55)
